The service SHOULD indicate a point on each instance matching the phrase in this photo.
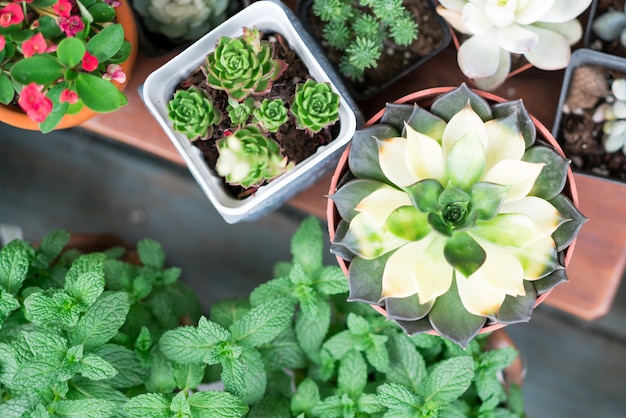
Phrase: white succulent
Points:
(541, 30)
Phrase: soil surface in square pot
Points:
(611, 47)
(295, 143)
(395, 59)
(581, 137)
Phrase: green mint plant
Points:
(360, 28)
(193, 113)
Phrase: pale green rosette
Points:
(454, 218)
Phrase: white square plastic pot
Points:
(268, 16)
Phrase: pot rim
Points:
(425, 97)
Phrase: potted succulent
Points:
(453, 211)
(497, 39)
(590, 118)
(97, 332)
(63, 60)
(256, 113)
(374, 43)
(605, 31)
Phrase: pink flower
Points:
(11, 14)
(62, 8)
(34, 103)
(3, 42)
(68, 96)
(71, 25)
(115, 73)
(90, 62)
(35, 45)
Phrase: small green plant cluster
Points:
(245, 69)
(361, 28)
(93, 336)
(611, 25)
(612, 115)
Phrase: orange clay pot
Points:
(424, 98)
(14, 116)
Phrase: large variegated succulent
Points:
(454, 218)
(541, 30)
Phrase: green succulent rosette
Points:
(193, 114)
(454, 218)
(239, 112)
(315, 106)
(271, 114)
(248, 158)
(243, 66)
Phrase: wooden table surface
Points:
(598, 263)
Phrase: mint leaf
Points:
(254, 377)
(492, 361)
(399, 397)
(306, 397)
(151, 253)
(352, 375)
(96, 368)
(268, 291)
(211, 332)
(357, 324)
(85, 279)
(38, 374)
(376, 352)
(216, 405)
(263, 323)
(185, 345)
(369, 404)
(307, 245)
(153, 405)
(227, 311)
(83, 388)
(50, 247)
(340, 344)
(448, 379)
(16, 407)
(40, 411)
(14, 263)
(298, 276)
(170, 275)
(330, 407)
(161, 377)
(101, 321)
(8, 304)
(311, 331)
(188, 376)
(31, 345)
(180, 406)
(406, 365)
(283, 352)
(233, 373)
(129, 370)
(52, 307)
(330, 280)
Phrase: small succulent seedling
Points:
(360, 28)
(248, 158)
(612, 115)
(243, 66)
(193, 113)
(315, 106)
(239, 112)
(455, 217)
(270, 114)
(611, 26)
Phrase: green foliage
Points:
(193, 113)
(271, 114)
(315, 106)
(360, 28)
(293, 348)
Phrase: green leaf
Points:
(180, 406)
(107, 42)
(7, 91)
(129, 370)
(492, 361)
(102, 321)
(51, 246)
(363, 157)
(306, 397)
(70, 51)
(490, 390)
(340, 344)
(216, 405)
(233, 376)
(227, 311)
(408, 223)
(14, 262)
(347, 197)
(83, 388)
(161, 377)
(84, 280)
(283, 352)
(8, 304)
(153, 405)
(254, 376)
(270, 290)
(212, 332)
(38, 374)
(33, 345)
(448, 380)
(464, 253)
(311, 331)
(352, 374)
(330, 280)
(85, 408)
(188, 376)
(357, 324)
(329, 407)
(185, 345)
(96, 368)
(553, 175)
(406, 365)
(263, 323)
(376, 352)
(399, 397)
(368, 403)
(98, 94)
(486, 199)
(40, 69)
(54, 307)
(16, 407)
(307, 245)
(151, 253)
(567, 231)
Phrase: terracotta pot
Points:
(424, 98)
(15, 117)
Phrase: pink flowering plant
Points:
(59, 56)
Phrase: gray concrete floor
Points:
(73, 180)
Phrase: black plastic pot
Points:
(358, 93)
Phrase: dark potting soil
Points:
(581, 137)
(395, 59)
(611, 47)
(295, 143)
